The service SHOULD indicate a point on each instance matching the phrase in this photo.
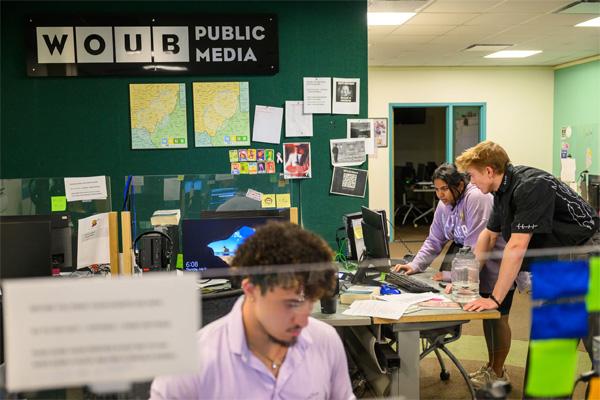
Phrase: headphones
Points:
(167, 254)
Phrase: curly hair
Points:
(484, 154)
(283, 243)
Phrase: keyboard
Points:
(409, 284)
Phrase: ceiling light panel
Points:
(513, 54)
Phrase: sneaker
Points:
(488, 377)
(479, 372)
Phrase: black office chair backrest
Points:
(422, 173)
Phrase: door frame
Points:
(449, 138)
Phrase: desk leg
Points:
(405, 380)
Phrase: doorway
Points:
(423, 136)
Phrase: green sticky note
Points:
(179, 262)
(552, 367)
(58, 203)
(593, 296)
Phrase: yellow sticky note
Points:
(358, 232)
(283, 200)
(58, 203)
(180, 177)
(268, 201)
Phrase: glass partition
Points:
(47, 196)
(193, 194)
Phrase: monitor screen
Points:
(25, 246)
(375, 233)
(211, 242)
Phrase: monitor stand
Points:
(370, 269)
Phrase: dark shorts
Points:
(506, 303)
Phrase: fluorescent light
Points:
(594, 22)
(513, 54)
(388, 18)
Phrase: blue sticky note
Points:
(555, 279)
(197, 184)
(552, 321)
(188, 185)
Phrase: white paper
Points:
(297, 123)
(346, 96)
(411, 298)
(347, 152)
(567, 169)
(267, 124)
(72, 332)
(86, 188)
(362, 129)
(93, 244)
(317, 95)
(376, 308)
(254, 195)
(171, 189)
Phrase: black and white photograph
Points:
(348, 182)
(346, 96)
(347, 152)
(380, 128)
(345, 92)
(362, 129)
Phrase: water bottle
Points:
(465, 276)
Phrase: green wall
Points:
(577, 104)
(80, 126)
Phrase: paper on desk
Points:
(211, 282)
(411, 298)
(87, 188)
(376, 308)
(267, 124)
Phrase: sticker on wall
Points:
(565, 132)
(588, 158)
(564, 150)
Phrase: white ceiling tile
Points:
(426, 18)
(381, 30)
(399, 39)
(503, 19)
(475, 30)
(545, 6)
(454, 6)
(422, 30)
(560, 19)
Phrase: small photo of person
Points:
(270, 167)
(235, 168)
(260, 155)
(251, 154)
(262, 168)
(269, 155)
(345, 92)
(297, 160)
(243, 155)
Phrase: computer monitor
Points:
(25, 246)
(211, 241)
(375, 235)
(374, 230)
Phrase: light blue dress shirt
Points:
(314, 368)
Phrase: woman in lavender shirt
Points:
(461, 214)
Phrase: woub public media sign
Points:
(165, 45)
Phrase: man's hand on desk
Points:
(438, 276)
(481, 304)
(406, 268)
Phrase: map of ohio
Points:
(221, 114)
(158, 115)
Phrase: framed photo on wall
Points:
(380, 128)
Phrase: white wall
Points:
(519, 110)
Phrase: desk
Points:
(405, 380)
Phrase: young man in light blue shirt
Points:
(268, 346)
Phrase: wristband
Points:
(495, 300)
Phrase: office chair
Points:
(404, 178)
(217, 305)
